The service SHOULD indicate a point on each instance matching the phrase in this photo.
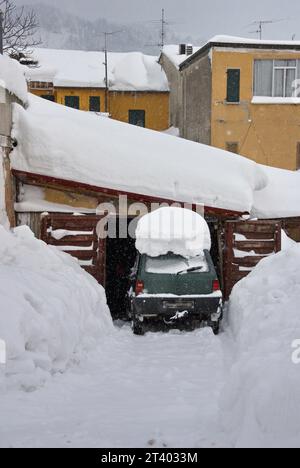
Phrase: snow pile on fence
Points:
(261, 401)
(12, 78)
(51, 311)
(131, 71)
(57, 141)
(281, 197)
(180, 231)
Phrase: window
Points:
(298, 156)
(137, 117)
(276, 78)
(233, 85)
(232, 147)
(72, 101)
(95, 104)
(48, 97)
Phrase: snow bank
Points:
(132, 71)
(261, 402)
(281, 197)
(176, 230)
(66, 143)
(51, 311)
(12, 78)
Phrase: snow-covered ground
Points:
(155, 391)
(175, 390)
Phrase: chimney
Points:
(186, 49)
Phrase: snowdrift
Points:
(261, 402)
(176, 230)
(12, 78)
(51, 311)
(56, 141)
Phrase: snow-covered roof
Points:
(64, 143)
(172, 52)
(241, 42)
(246, 40)
(281, 197)
(132, 71)
(12, 78)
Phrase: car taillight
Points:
(216, 285)
(139, 287)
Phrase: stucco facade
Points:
(266, 133)
(176, 96)
(154, 104)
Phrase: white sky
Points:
(199, 18)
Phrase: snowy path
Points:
(162, 389)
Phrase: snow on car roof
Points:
(131, 71)
(176, 230)
(64, 143)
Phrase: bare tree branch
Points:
(20, 27)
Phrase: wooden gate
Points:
(77, 236)
(246, 243)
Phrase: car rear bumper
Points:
(204, 308)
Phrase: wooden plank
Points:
(248, 261)
(262, 248)
(82, 254)
(257, 236)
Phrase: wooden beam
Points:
(92, 190)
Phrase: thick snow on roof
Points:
(12, 78)
(281, 197)
(172, 53)
(57, 141)
(132, 71)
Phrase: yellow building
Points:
(244, 96)
(137, 91)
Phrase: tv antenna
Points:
(261, 24)
(163, 26)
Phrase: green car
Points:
(171, 291)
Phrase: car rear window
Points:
(174, 264)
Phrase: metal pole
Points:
(1, 32)
(106, 74)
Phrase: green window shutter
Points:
(233, 85)
(137, 117)
(94, 103)
(72, 101)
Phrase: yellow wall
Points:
(267, 134)
(155, 104)
(84, 96)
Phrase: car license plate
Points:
(179, 305)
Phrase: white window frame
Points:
(284, 68)
(275, 67)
